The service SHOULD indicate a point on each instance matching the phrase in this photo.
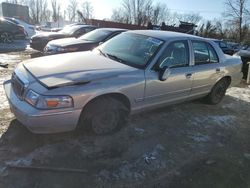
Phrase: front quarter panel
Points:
(130, 84)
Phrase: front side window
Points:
(204, 53)
(175, 55)
(132, 49)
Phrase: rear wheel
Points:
(104, 116)
(218, 92)
(6, 37)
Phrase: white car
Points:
(29, 29)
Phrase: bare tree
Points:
(160, 13)
(38, 9)
(55, 10)
(236, 12)
(87, 10)
(118, 16)
(190, 18)
(72, 10)
(138, 12)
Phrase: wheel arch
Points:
(227, 78)
(118, 96)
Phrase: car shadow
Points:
(15, 46)
(172, 125)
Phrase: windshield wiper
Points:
(115, 58)
(101, 52)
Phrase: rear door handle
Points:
(189, 75)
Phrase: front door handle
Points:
(217, 70)
(189, 75)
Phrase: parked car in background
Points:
(132, 72)
(10, 31)
(227, 49)
(29, 29)
(245, 57)
(56, 29)
(39, 41)
(83, 43)
(235, 46)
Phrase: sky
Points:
(208, 9)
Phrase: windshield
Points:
(132, 49)
(96, 35)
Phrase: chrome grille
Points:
(17, 85)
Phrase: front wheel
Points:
(104, 116)
(218, 92)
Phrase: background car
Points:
(39, 41)
(10, 31)
(83, 43)
(227, 49)
(245, 57)
(29, 29)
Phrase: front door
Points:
(176, 58)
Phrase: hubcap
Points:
(219, 93)
(6, 38)
(105, 122)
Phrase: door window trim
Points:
(207, 46)
(156, 65)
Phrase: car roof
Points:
(6, 20)
(111, 29)
(165, 35)
(81, 26)
(215, 40)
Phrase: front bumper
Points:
(41, 121)
(38, 44)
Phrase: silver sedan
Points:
(132, 72)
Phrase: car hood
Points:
(48, 34)
(244, 53)
(74, 68)
(69, 42)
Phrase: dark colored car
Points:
(245, 57)
(10, 31)
(227, 49)
(39, 41)
(83, 43)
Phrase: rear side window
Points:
(204, 53)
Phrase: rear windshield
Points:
(96, 35)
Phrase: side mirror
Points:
(164, 73)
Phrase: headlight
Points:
(60, 49)
(69, 49)
(48, 102)
(32, 97)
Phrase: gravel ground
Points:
(187, 145)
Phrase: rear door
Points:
(206, 68)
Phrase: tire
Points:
(6, 37)
(218, 92)
(104, 116)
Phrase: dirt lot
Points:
(187, 145)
